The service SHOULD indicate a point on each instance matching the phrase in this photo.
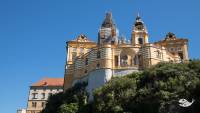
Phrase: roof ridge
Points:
(49, 82)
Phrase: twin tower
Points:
(109, 33)
(97, 62)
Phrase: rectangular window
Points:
(116, 61)
(180, 55)
(158, 54)
(50, 94)
(98, 66)
(140, 39)
(34, 104)
(86, 71)
(34, 95)
(86, 61)
(179, 49)
(43, 95)
(81, 50)
(43, 104)
(98, 54)
(74, 54)
(171, 49)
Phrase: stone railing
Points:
(127, 67)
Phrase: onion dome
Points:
(108, 22)
(139, 24)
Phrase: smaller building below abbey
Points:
(114, 55)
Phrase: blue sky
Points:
(33, 35)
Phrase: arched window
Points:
(180, 56)
(140, 40)
(124, 60)
(98, 54)
(158, 54)
(86, 71)
(98, 66)
(81, 50)
(86, 61)
(74, 54)
(135, 60)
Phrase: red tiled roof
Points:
(49, 82)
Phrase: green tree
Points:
(114, 96)
(68, 108)
(154, 90)
(74, 100)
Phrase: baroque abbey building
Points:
(97, 62)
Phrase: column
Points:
(119, 61)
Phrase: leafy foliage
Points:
(69, 108)
(73, 100)
(155, 90)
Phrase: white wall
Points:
(46, 90)
(96, 79)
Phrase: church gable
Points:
(82, 38)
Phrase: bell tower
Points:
(108, 33)
(139, 32)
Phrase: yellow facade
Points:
(118, 54)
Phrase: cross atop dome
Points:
(139, 24)
(138, 18)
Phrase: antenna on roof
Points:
(138, 16)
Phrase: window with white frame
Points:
(43, 95)
(34, 95)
